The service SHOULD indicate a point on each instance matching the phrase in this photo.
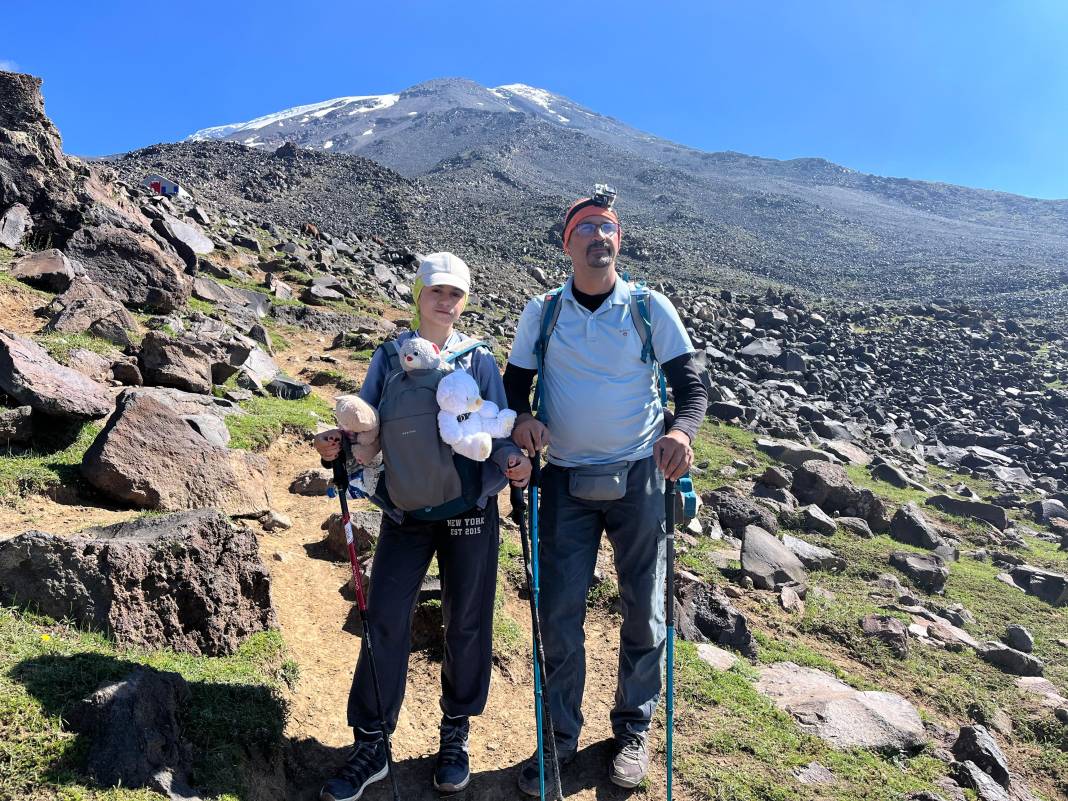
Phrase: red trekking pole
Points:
(341, 483)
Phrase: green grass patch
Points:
(268, 418)
(719, 444)
(202, 306)
(333, 377)
(60, 345)
(233, 720)
(55, 461)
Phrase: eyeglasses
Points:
(607, 229)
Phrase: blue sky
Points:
(974, 93)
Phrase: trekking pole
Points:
(543, 716)
(341, 484)
(669, 599)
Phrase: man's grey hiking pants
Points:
(467, 549)
(570, 535)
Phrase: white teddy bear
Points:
(467, 422)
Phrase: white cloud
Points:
(8, 65)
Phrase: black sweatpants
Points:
(466, 547)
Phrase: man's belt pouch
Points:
(598, 482)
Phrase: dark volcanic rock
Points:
(735, 511)
(910, 527)
(975, 743)
(133, 265)
(1010, 660)
(31, 376)
(768, 562)
(994, 515)
(181, 470)
(133, 733)
(705, 614)
(928, 571)
(189, 581)
(1047, 585)
(889, 631)
(48, 269)
(170, 362)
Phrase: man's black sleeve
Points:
(691, 398)
(517, 384)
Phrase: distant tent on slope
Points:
(163, 186)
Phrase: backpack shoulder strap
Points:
(642, 319)
(392, 352)
(450, 355)
(640, 306)
(550, 313)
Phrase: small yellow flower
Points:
(46, 637)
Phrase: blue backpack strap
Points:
(639, 312)
(450, 356)
(550, 313)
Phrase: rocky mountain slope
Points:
(805, 222)
(873, 600)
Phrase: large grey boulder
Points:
(840, 715)
(992, 514)
(185, 237)
(928, 571)
(150, 457)
(15, 222)
(829, 487)
(1010, 660)
(213, 291)
(735, 511)
(168, 361)
(768, 562)
(791, 453)
(910, 527)
(814, 557)
(191, 581)
(30, 376)
(1047, 585)
(1047, 510)
(101, 317)
(48, 269)
(133, 265)
(133, 734)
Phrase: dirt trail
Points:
(313, 616)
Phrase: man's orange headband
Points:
(587, 208)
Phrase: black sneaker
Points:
(366, 764)
(528, 771)
(452, 770)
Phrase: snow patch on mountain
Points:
(539, 97)
(364, 104)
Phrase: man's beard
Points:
(605, 256)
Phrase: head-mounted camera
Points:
(604, 196)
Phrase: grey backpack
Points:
(423, 477)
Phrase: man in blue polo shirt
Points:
(609, 452)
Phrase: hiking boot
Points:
(631, 760)
(452, 771)
(366, 764)
(528, 771)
